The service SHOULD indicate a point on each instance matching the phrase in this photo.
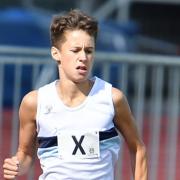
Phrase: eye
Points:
(75, 50)
(89, 51)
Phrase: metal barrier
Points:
(151, 84)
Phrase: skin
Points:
(75, 59)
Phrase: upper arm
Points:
(124, 120)
(27, 117)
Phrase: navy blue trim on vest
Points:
(45, 142)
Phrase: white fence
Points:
(151, 84)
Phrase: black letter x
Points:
(78, 145)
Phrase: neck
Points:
(72, 93)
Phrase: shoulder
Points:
(120, 102)
(30, 99)
(117, 96)
(29, 103)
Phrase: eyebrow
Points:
(88, 47)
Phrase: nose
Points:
(83, 56)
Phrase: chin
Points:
(81, 79)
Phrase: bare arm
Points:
(20, 163)
(124, 122)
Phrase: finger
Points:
(10, 168)
(15, 159)
(10, 161)
(10, 172)
(7, 166)
(7, 177)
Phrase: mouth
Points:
(83, 68)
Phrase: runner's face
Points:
(76, 55)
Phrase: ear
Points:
(55, 54)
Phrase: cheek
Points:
(91, 58)
(66, 58)
(68, 61)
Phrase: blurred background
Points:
(137, 51)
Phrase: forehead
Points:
(78, 38)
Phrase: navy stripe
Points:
(45, 142)
(107, 134)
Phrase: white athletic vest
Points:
(96, 113)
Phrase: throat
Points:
(74, 102)
(73, 97)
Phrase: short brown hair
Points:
(72, 20)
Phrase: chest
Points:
(89, 117)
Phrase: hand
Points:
(11, 168)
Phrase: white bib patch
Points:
(78, 144)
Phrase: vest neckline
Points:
(95, 79)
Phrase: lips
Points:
(82, 68)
